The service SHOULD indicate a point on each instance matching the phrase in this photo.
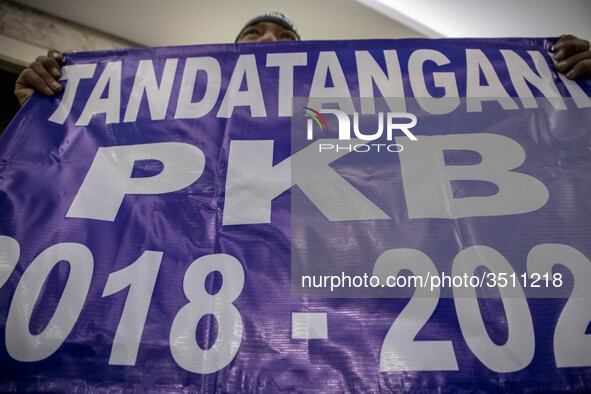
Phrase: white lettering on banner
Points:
(253, 182)
(518, 351)
(110, 105)
(400, 350)
(572, 346)
(447, 81)
(185, 350)
(521, 73)
(157, 96)
(9, 253)
(476, 62)
(186, 108)
(427, 180)
(109, 178)
(369, 72)
(73, 74)
(246, 68)
(21, 344)
(140, 278)
(286, 63)
(328, 62)
(390, 84)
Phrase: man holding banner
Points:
(226, 218)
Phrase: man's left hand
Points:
(573, 57)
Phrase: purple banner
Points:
(147, 235)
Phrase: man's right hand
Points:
(40, 76)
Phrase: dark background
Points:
(8, 102)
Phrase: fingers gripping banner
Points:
(358, 216)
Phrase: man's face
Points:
(266, 31)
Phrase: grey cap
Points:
(274, 17)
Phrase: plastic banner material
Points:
(351, 216)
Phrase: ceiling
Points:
(185, 22)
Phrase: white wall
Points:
(490, 18)
(26, 34)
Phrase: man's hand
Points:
(573, 57)
(40, 76)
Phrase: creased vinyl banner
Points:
(146, 232)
